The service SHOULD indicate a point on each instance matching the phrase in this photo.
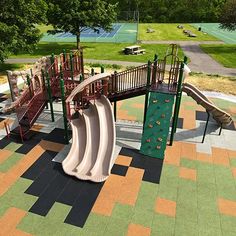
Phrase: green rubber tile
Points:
(96, 224)
(121, 211)
(116, 227)
(147, 196)
(187, 197)
(168, 191)
(35, 224)
(209, 218)
(41, 226)
(13, 146)
(58, 212)
(187, 213)
(228, 223)
(169, 171)
(10, 162)
(15, 197)
(162, 225)
(188, 163)
(187, 184)
(225, 183)
(209, 231)
(228, 233)
(185, 228)
(207, 197)
(232, 162)
(143, 217)
(205, 173)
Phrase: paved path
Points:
(200, 61)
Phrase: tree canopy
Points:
(75, 16)
(18, 19)
(228, 16)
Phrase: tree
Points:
(228, 16)
(18, 19)
(75, 16)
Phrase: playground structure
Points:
(85, 102)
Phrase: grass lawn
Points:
(171, 32)
(224, 54)
(102, 51)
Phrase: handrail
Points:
(85, 83)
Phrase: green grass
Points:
(224, 54)
(4, 67)
(171, 32)
(102, 51)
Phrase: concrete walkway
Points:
(200, 61)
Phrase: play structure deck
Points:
(86, 106)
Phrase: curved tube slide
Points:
(221, 117)
(91, 156)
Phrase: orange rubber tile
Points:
(4, 154)
(122, 189)
(16, 171)
(172, 154)
(231, 154)
(188, 173)
(138, 230)
(51, 146)
(123, 160)
(165, 207)
(8, 121)
(123, 115)
(227, 207)
(233, 172)
(138, 105)
(131, 186)
(203, 157)
(37, 127)
(220, 156)
(188, 151)
(189, 119)
(107, 197)
(10, 220)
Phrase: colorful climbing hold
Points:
(159, 139)
(154, 101)
(158, 122)
(167, 100)
(163, 115)
(150, 126)
(158, 147)
(148, 140)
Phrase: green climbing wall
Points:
(156, 128)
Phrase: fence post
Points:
(147, 91)
(50, 96)
(102, 69)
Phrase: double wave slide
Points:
(91, 156)
(220, 116)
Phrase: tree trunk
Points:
(78, 40)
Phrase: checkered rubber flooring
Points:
(191, 192)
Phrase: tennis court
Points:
(121, 32)
(228, 37)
